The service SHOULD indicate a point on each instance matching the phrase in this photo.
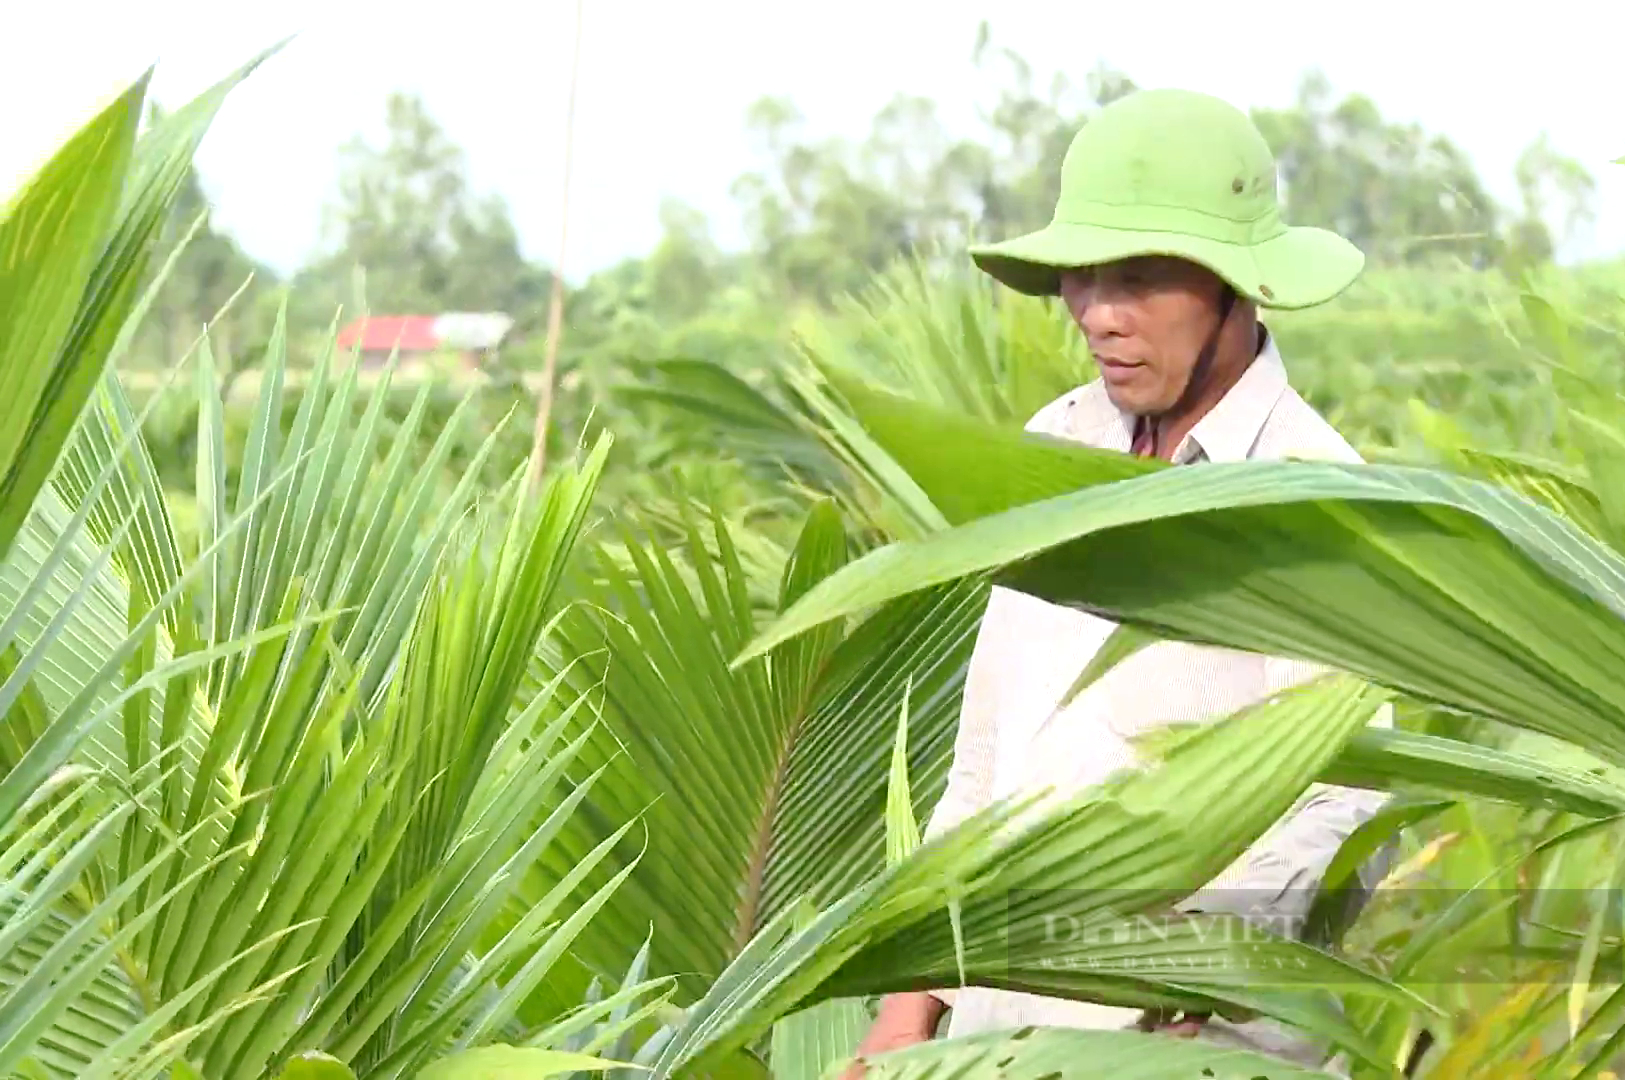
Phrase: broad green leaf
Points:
(1602, 441)
(1562, 489)
(1546, 482)
(807, 1043)
(760, 786)
(1552, 328)
(1372, 834)
(515, 1063)
(140, 188)
(1138, 844)
(889, 498)
(948, 338)
(118, 296)
(969, 468)
(1065, 1054)
(51, 238)
(1429, 583)
(1404, 761)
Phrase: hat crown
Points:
(1181, 174)
(1171, 152)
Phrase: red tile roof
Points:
(409, 333)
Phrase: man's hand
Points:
(904, 1020)
(1182, 1029)
(1181, 1025)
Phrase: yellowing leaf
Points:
(1419, 862)
(1467, 1053)
(315, 1066)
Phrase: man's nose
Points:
(1102, 318)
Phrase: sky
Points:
(664, 87)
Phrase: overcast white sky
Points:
(665, 85)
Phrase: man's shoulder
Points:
(1077, 414)
(1292, 429)
(1295, 429)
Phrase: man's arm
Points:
(970, 775)
(904, 1020)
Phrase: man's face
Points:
(1145, 319)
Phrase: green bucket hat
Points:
(1173, 172)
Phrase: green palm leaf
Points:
(330, 793)
(77, 243)
(952, 339)
(1389, 760)
(692, 400)
(51, 239)
(386, 838)
(807, 1043)
(1384, 759)
(1140, 844)
(522, 1062)
(1540, 481)
(1435, 585)
(944, 339)
(759, 786)
(61, 600)
(1062, 1054)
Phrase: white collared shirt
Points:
(1013, 739)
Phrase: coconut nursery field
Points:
(336, 741)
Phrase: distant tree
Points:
(207, 274)
(814, 221)
(824, 216)
(406, 217)
(1028, 132)
(685, 269)
(1555, 202)
(1399, 193)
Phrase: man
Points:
(1166, 241)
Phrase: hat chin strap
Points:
(1201, 371)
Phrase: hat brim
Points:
(1299, 268)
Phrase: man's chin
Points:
(1134, 404)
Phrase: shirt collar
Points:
(1228, 431)
(1231, 428)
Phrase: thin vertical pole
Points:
(555, 307)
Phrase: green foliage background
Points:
(406, 231)
(730, 464)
